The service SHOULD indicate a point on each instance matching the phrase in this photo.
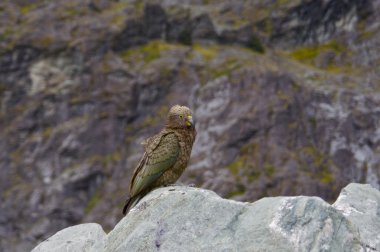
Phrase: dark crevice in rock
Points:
(314, 22)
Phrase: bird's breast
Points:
(172, 175)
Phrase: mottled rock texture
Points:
(190, 219)
(285, 94)
(78, 238)
(360, 205)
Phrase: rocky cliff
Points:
(189, 219)
(285, 93)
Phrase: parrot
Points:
(166, 155)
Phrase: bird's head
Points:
(180, 117)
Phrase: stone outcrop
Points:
(78, 238)
(190, 219)
(360, 205)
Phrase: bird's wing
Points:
(155, 162)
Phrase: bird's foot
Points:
(171, 185)
(180, 184)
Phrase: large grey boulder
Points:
(79, 238)
(191, 219)
(360, 204)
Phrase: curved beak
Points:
(190, 121)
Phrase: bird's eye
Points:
(180, 116)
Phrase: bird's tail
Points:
(130, 203)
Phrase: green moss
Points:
(313, 121)
(72, 11)
(314, 153)
(116, 14)
(240, 190)
(284, 2)
(45, 41)
(47, 132)
(333, 45)
(326, 177)
(238, 22)
(149, 52)
(253, 175)
(267, 26)
(149, 121)
(366, 35)
(269, 169)
(310, 53)
(25, 9)
(235, 166)
(118, 20)
(105, 160)
(207, 52)
(225, 69)
(284, 96)
(163, 111)
(338, 69)
(92, 202)
(293, 125)
(139, 5)
(16, 156)
(103, 115)
(244, 165)
(2, 88)
(361, 25)
(76, 100)
(19, 185)
(249, 149)
(296, 86)
(321, 162)
(306, 53)
(8, 31)
(113, 157)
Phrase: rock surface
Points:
(190, 219)
(78, 238)
(285, 93)
(360, 204)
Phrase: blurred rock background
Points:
(285, 93)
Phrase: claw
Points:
(171, 185)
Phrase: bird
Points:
(166, 155)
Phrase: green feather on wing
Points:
(155, 163)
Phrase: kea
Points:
(166, 155)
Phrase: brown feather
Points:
(176, 123)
